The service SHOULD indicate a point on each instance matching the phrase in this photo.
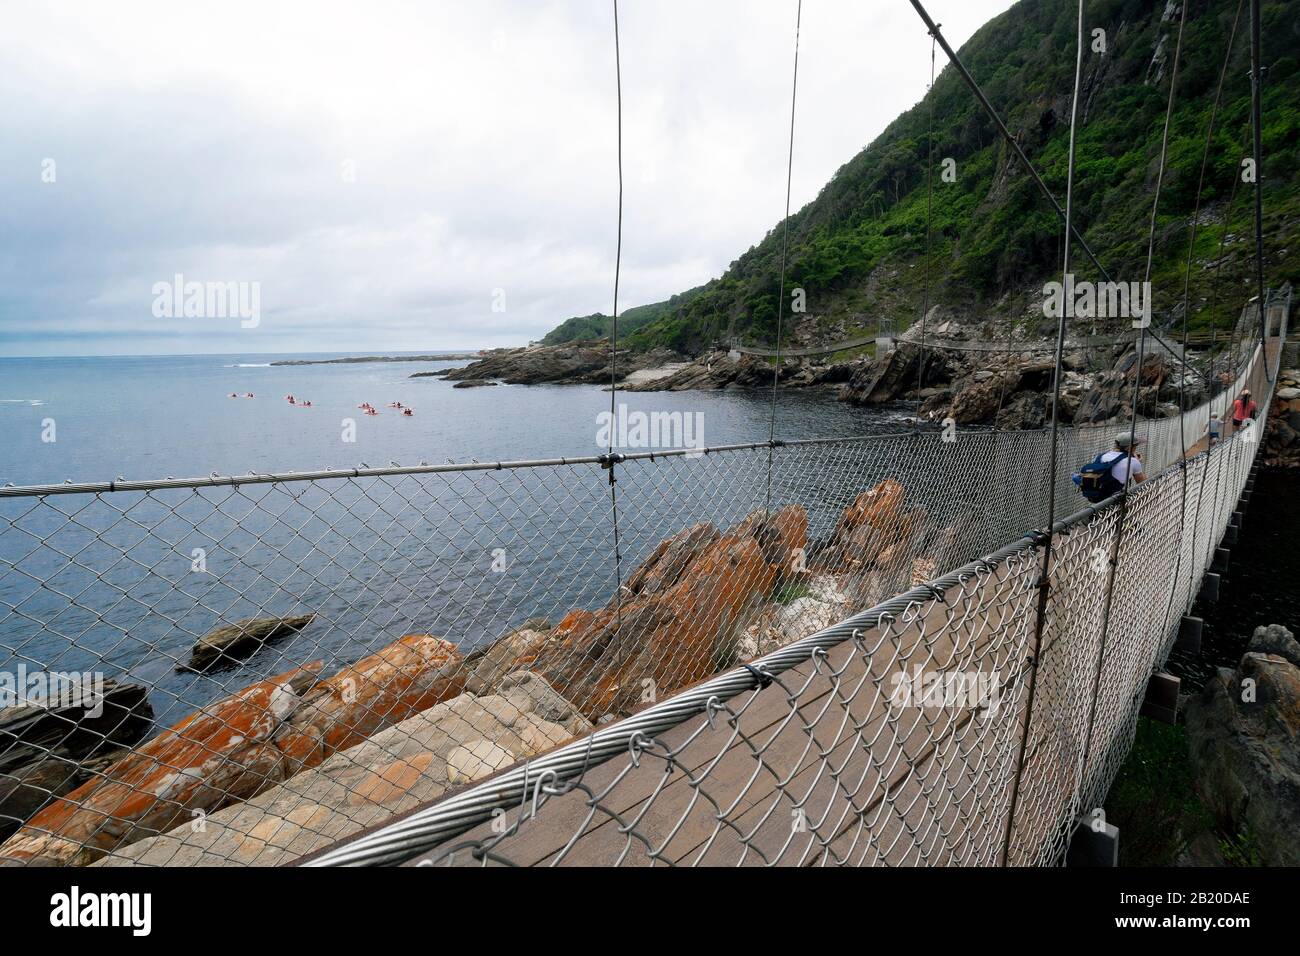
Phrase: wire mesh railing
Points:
(249, 670)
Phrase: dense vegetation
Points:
(859, 249)
(597, 325)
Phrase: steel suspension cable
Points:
(1257, 82)
(785, 245)
(613, 337)
(1187, 287)
(1049, 535)
(1122, 510)
(1231, 352)
(929, 201)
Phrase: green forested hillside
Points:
(858, 249)
(597, 325)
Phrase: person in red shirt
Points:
(1242, 409)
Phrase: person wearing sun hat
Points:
(1109, 473)
(1127, 458)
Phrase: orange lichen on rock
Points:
(237, 747)
(677, 616)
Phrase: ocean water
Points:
(159, 416)
(109, 583)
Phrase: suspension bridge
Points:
(888, 649)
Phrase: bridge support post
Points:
(1189, 635)
(1230, 534)
(1093, 843)
(1161, 701)
(1221, 555)
(1209, 588)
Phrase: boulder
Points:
(47, 748)
(873, 522)
(407, 676)
(677, 617)
(781, 624)
(476, 760)
(27, 788)
(402, 767)
(218, 755)
(1276, 640)
(235, 748)
(1242, 731)
(119, 716)
(1026, 409)
(515, 650)
(977, 402)
(235, 642)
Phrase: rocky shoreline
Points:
(1282, 434)
(296, 761)
(1242, 730)
(354, 360)
(1008, 388)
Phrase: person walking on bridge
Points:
(1108, 473)
(1242, 409)
(1127, 458)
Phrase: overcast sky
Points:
(420, 175)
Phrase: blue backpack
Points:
(1095, 480)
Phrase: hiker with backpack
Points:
(1106, 474)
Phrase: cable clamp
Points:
(763, 677)
(610, 459)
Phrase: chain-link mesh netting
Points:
(248, 670)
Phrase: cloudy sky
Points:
(411, 175)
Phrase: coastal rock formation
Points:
(1282, 434)
(719, 369)
(237, 747)
(1242, 731)
(867, 530)
(297, 761)
(118, 715)
(585, 362)
(1111, 395)
(822, 605)
(47, 748)
(893, 374)
(677, 618)
(455, 743)
(235, 642)
(408, 676)
(219, 754)
(515, 650)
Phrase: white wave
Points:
(249, 365)
(21, 401)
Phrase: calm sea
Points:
(150, 417)
(108, 583)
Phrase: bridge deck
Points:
(821, 747)
(901, 791)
